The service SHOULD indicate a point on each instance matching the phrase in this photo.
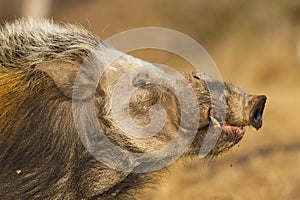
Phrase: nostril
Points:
(257, 116)
(257, 111)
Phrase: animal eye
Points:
(139, 83)
(196, 77)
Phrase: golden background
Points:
(255, 44)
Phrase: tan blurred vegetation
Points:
(256, 45)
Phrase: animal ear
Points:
(64, 73)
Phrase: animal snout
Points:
(256, 114)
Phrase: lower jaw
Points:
(227, 142)
(228, 138)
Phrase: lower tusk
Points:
(215, 122)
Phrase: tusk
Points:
(215, 122)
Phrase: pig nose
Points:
(256, 113)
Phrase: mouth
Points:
(230, 136)
(235, 132)
(217, 137)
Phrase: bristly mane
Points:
(27, 42)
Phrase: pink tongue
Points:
(238, 130)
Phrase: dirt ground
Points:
(256, 45)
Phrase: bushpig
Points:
(50, 150)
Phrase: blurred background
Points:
(255, 44)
